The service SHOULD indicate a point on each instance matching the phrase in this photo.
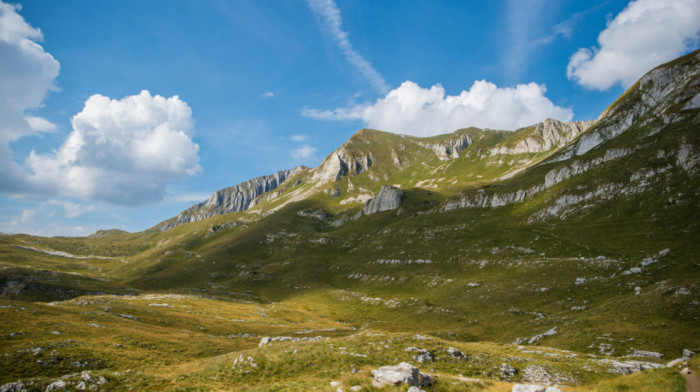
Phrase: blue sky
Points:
(122, 114)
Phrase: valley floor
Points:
(185, 342)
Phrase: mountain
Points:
(232, 199)
(555, 254)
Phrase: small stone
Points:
(456, 353)
(335, 384)
(528, 388)
(356, 388)
(264, 341)
(60, 384)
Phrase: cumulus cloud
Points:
(328, 12)
(268, 94)
(645, 34)
(303, 152)
(121, 151)
(414, 110)
(299, 138)
(27, 74)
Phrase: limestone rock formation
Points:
(655, 92)
(450, 149)
(340, 163)
(404, 373)
(236, 198)
(388, 198)
(545, 136)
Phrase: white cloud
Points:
(414, 110)
(27, 215)
(328, 11)
(27, 74)
(303, 152)
(299, 138)
(40, 124)
(121, 151)
(644, 35)
(268, 94)
(70, 210)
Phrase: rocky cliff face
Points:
(388, 198)
(546, 135)
(236, 198)
(340, 163)
(450, 149)
(660, 99)
(654, 93)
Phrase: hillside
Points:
(568, 252)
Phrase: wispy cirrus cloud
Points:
(327, 11)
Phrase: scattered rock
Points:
(649, 354)
(687, 354)
(250, 361)
(404, 373)
(423, 355)
(356, 388)
(453, 352)
(629, 367)
(335, 384)
(81, 386)
(415, 389)
(60, 384)
(540, 375)
(17, 386)
(528, 388)
(675, 362)
(507, 371)
(127, 316)
(264, 341)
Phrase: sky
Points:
(122, 114)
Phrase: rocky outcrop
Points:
(340, 163)
(653, 94)
(507, 371)
(388, 198)
(236, 198)
(546, 136)
(449, 149)
(17, 386)
(454, 353)
(423, 355)
(629, 367)
(404, 373)
(534, 388)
